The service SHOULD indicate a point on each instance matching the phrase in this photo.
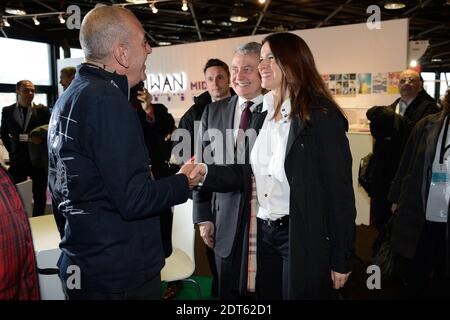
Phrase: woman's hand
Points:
(339, 279)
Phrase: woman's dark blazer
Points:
(322, 212)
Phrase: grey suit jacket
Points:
(220, 208)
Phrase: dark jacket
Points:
(159, 146)
(100, 183)
(157, 136)
(391, 131)
(411, 186)
(12, 128)
(322, 213)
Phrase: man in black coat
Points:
(18, 120)
(420, 232)
(217, 78)
(390, 127)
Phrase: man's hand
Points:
(394, 208)
(194, 174)
(198, 170)
(339, 279)
(207, 233)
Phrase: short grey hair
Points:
(101, 28)
(249, 48)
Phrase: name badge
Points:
(23, 137)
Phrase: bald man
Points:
(390, 126)
(105, 203)
(66, 75)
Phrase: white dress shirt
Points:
(267, 160)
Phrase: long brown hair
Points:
(300, 76)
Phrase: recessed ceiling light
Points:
(207, 21)
(164, 43)
(15, 8)
(238, 19)
(225, 24)
(394, 5)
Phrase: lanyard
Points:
(444, 140)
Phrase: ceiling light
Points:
(15, 8)
(413, 63)
(238, 19)
(207, 21)
(137, 1)
(6, 23)
(154, 9)
(164, 43)
(394, 5)
(262, 1)
(36, 21)
(225, 24)
(61, 19)
(436, 60)
(184, 7)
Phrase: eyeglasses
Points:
(410, 79)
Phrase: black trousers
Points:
(39, 177)
(228, 272)
(425, 273)
(151, 290)
(381, 210)
(272, 281)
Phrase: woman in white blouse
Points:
(301, 162)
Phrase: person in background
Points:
(420, 195)
(18, 270)
(302, 197)
(66, 76)
(217, 78)
(106, 203)
(157, 126)
(18, 120)
(390, 127)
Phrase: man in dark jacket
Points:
(18, 120)
(106, 203)
(390, 127)
(420, 193)
(217, 78)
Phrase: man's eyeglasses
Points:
(404, 80)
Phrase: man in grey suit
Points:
(218, 214)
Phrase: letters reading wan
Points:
(170, 82)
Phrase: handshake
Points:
(195, 172)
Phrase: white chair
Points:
(180, 265)
(46, 246)
(25, 189)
